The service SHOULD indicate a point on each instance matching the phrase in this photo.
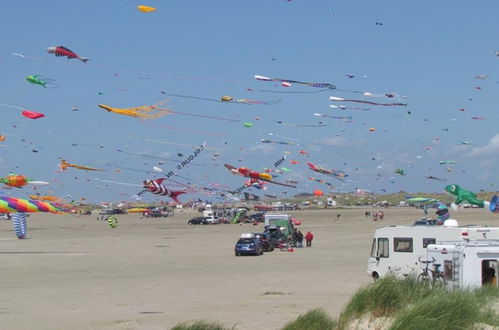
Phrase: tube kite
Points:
(12, 205)
(288, 82)
(340, 99)
(19, 224)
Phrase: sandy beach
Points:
(75, 272)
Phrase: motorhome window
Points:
(402, 244)
(428, 241)
(383, 248)
(448, 270)
(373, 249)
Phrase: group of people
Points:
(375, 215)
(297, 238)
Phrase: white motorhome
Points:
(395, 250)
(467, 264)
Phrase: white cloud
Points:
(491, 148)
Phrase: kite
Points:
(12, 205)
(2, 138)
(302, 125)
(63, 165)
(342, 107)
(32, 114)
(464, 195)
(142, 112)
(19, 224)
(337, 174)
(334, 117)
(278, 142)
(442, 212)
(322, 181)
(137, 210)
(112, 221)
(466, 143)
(400, 171)
(38, 80)
(372, 129)
(254, 175)
(420, 200)
(287, 82)
(47, 198)
(145, 9)
(18, 181)
(431, 177)
(339, 99)
(494, 204)
(446, 162)
(63, 51)
(248, 125)
(156, 187)
(478, 118)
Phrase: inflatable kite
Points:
(494, 204)
(339, 99)
(288, 82)
(337, 174)
(63, 51)
(39, 80)
(464, 195)
(112, 221)
(400, 171)
(12, 205)
(63, 165)
(19, 224)
(18, 181)
(254, 175)
(146, 9)
(156, 187)
(32, 114)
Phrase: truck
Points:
(468, 264)
(397, 250)
(279, 220)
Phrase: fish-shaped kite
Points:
(63, 51)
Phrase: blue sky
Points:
(429, 52)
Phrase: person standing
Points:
(299, 239)
(308, 238)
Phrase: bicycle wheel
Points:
(424, 279)
(439, 280)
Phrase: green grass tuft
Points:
(200, 325)
(315, 319)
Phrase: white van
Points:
(395, 250)
(467, 264)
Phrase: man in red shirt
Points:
(309, 237)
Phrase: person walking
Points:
(308, 238)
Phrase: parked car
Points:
(197, 221)
(248, 245)
(257, 217)
(264, 238)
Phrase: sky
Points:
(437, 57)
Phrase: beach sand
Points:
(74, 272)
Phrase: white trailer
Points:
(467, 264)
(395, 250)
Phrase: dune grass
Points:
(410, 305)
(315, 319)
(201, 325)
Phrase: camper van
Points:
(282, 221)
(395, 250)
(467, 264)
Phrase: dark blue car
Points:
(245, 246)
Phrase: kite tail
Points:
(174, 195)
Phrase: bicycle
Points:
(431, 277)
